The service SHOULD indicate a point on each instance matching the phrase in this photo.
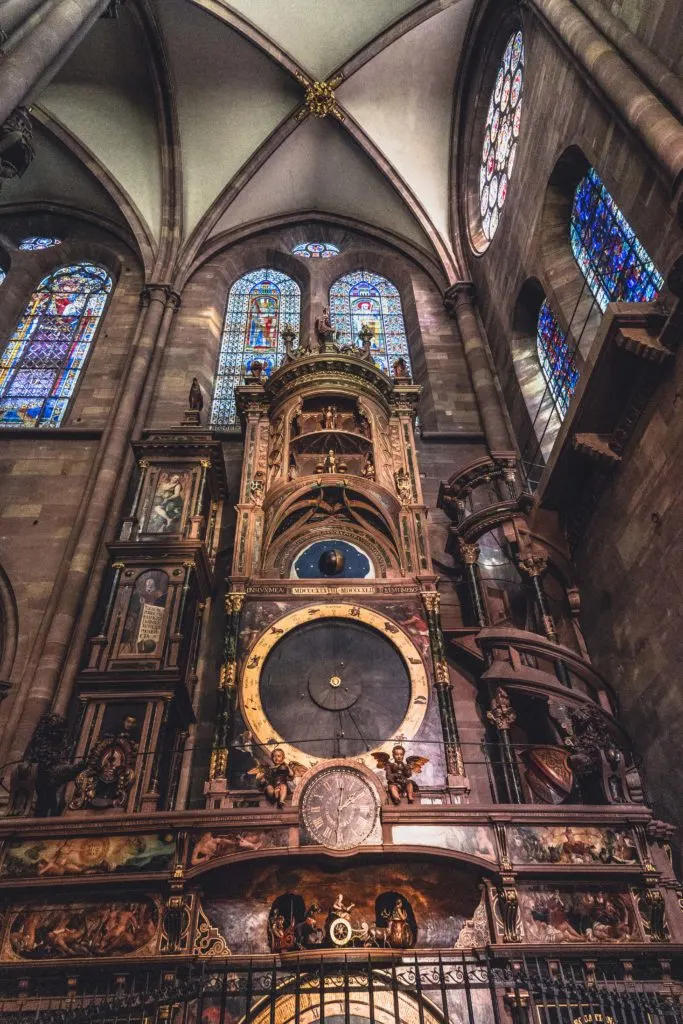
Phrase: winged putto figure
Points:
(276, 776)
(399, 771)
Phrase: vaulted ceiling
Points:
(179, 118)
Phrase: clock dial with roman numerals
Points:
(339, 808)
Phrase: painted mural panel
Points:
(172, 491)
(570, 844)
(87, 855)
(278, 907)
(145, 617)
(559, 915)
(476, 840)
(48, 931)
(208, 846)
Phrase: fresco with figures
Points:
(87, 855)
(570, 844)
(48, 931)
(558, 915)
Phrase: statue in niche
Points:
(325, 332)
(277, 777)
(365, 336)
(400, 368)
(399, 931)
(256, 369)
(37, 781)
(363, 418)
(330, 418)
(195, 400)
(368, 470)
(399, 771)
(309, 934)
(288, 335)
(331, 464)
(292, 471)
(109, 770)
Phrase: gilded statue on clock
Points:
(333, 681)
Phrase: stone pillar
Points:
(13, 14)
(37, 693)
(459, 300)
(470, 556)
(647, 64)
(43, 50)
(638, 106)
(217, 785)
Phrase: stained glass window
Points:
(3, 275)
(557, 362)
(615, 265)
(500, 137)
(41, 364)
(363, 298)
(259, 306)
(36, 242)
(316, 250)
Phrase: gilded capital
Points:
(469, 552)
(534, 563)
(234, 602)
(501, 714)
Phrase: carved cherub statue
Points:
(324, 330)
(276, 778)
(399, 770)
(365, 336)
(400, 367)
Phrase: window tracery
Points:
(42, 362)
(556, 359)
(362, 298)
(316, 250)
(503, 122)
(616, 266)
(36, 242)
(259, 305)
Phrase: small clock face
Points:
(339, 808)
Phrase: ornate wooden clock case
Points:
(333, 649)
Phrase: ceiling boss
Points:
(319, 99)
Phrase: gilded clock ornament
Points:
(339, 808)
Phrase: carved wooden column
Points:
(227, 696)
(503, 716)
(455, 765)
(533, 564)
(470, 556)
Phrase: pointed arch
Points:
(42, 363)
(260, 303)
(362, 298)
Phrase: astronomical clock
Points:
(334, 693)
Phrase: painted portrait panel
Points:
(570, 844)
(555, 915)
(143, 627)
(85, 855)
(173, 489)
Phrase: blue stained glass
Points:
(41, 362)
(36, 242)
(3, 275)
(259, 306)
(557, 362)
(362, 298)
(316, 250)
(617, 268)
(501, 132)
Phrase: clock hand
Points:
(339, 807)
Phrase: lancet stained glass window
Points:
(557, 362)
(41, 363)
(616, 266)
(362, 298)
(316, 250)
(36, 242)
(3, 275)
(500, 137)
(259, 306)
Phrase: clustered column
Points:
(227, 690)
(455, 765)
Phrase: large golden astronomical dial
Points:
(333, 681)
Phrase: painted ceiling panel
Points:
(403, 99)
(57, 176)
(104, 96)
(322, 34)
(319, 167)
(230, 97)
